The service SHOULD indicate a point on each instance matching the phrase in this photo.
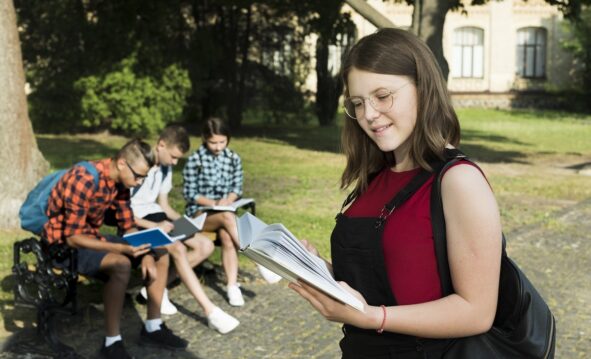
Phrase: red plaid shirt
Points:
(75, 207)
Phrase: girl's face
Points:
(216, 144)
(391, 128)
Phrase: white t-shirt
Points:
(144, 200)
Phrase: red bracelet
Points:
(381, 330)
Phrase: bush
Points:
(123, 101)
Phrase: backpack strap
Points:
(438, 220)
(165, 171)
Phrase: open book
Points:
(184, 227)
(276, 248)
(231, 207)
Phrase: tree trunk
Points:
(328, 87)
(370, 14)
(21, 163)
(427, 23)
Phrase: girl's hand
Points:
(166, 226)
(135, 251)
(310, 247)
(224, 201)
(149, 272)
(336, 311)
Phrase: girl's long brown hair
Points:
(398, 52)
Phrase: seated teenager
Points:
(213, 176)
(76, 211)
(151, 209)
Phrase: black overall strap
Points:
(402, 195)
(438, 221)
(405, 193)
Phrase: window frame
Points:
(463, 47)
(539, 49)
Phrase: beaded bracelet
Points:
(381, 330)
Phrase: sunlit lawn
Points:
(293, 171)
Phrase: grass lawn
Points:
(531, 159)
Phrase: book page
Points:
(232, 207)
(276, 248)
(249, 227)
(185, 227)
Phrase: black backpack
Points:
(523, 326)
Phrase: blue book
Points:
(184, 228)
(155, 236)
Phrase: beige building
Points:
(499, 48)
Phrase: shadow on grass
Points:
(470, 144)
(64, 152)
(315, 138)
(327, 139)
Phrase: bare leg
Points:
(229, 257)
(224, 223)
(179, 254)
(156, 287)
(118, 268)
(201, 248)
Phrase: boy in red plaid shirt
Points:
(76, 211)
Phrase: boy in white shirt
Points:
(151, 208)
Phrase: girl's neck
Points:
(403, 161)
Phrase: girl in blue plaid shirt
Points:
(213, 176)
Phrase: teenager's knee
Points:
(228, 218)
(117, 267)
(206, 247)
(177, 250)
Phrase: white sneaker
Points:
(268, 275)
(235, 296)
(221, 321)
(166, 307)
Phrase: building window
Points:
(468, 52)
(531, 52)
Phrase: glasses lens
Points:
(382, 101)
(354, 107)
(136, 176)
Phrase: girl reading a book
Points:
(400, 120)
(213, 176)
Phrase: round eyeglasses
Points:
(381, 101)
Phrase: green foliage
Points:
(579, 44)
(124, 101)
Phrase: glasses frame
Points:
(136, 176)
(370, 98)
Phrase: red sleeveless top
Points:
(407, 241)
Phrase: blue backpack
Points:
(33, 212)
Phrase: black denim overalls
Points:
(358, 260)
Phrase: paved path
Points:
(275, 323)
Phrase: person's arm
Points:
(190, 179)
(474, 251)
(162, 200)
(237, 175)
(93, 243)
(166, 226)
(166, 208)
(237, 178)
(78, 234)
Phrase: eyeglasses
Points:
(381, 101)
(136, 176)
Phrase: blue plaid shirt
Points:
(211, 176)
